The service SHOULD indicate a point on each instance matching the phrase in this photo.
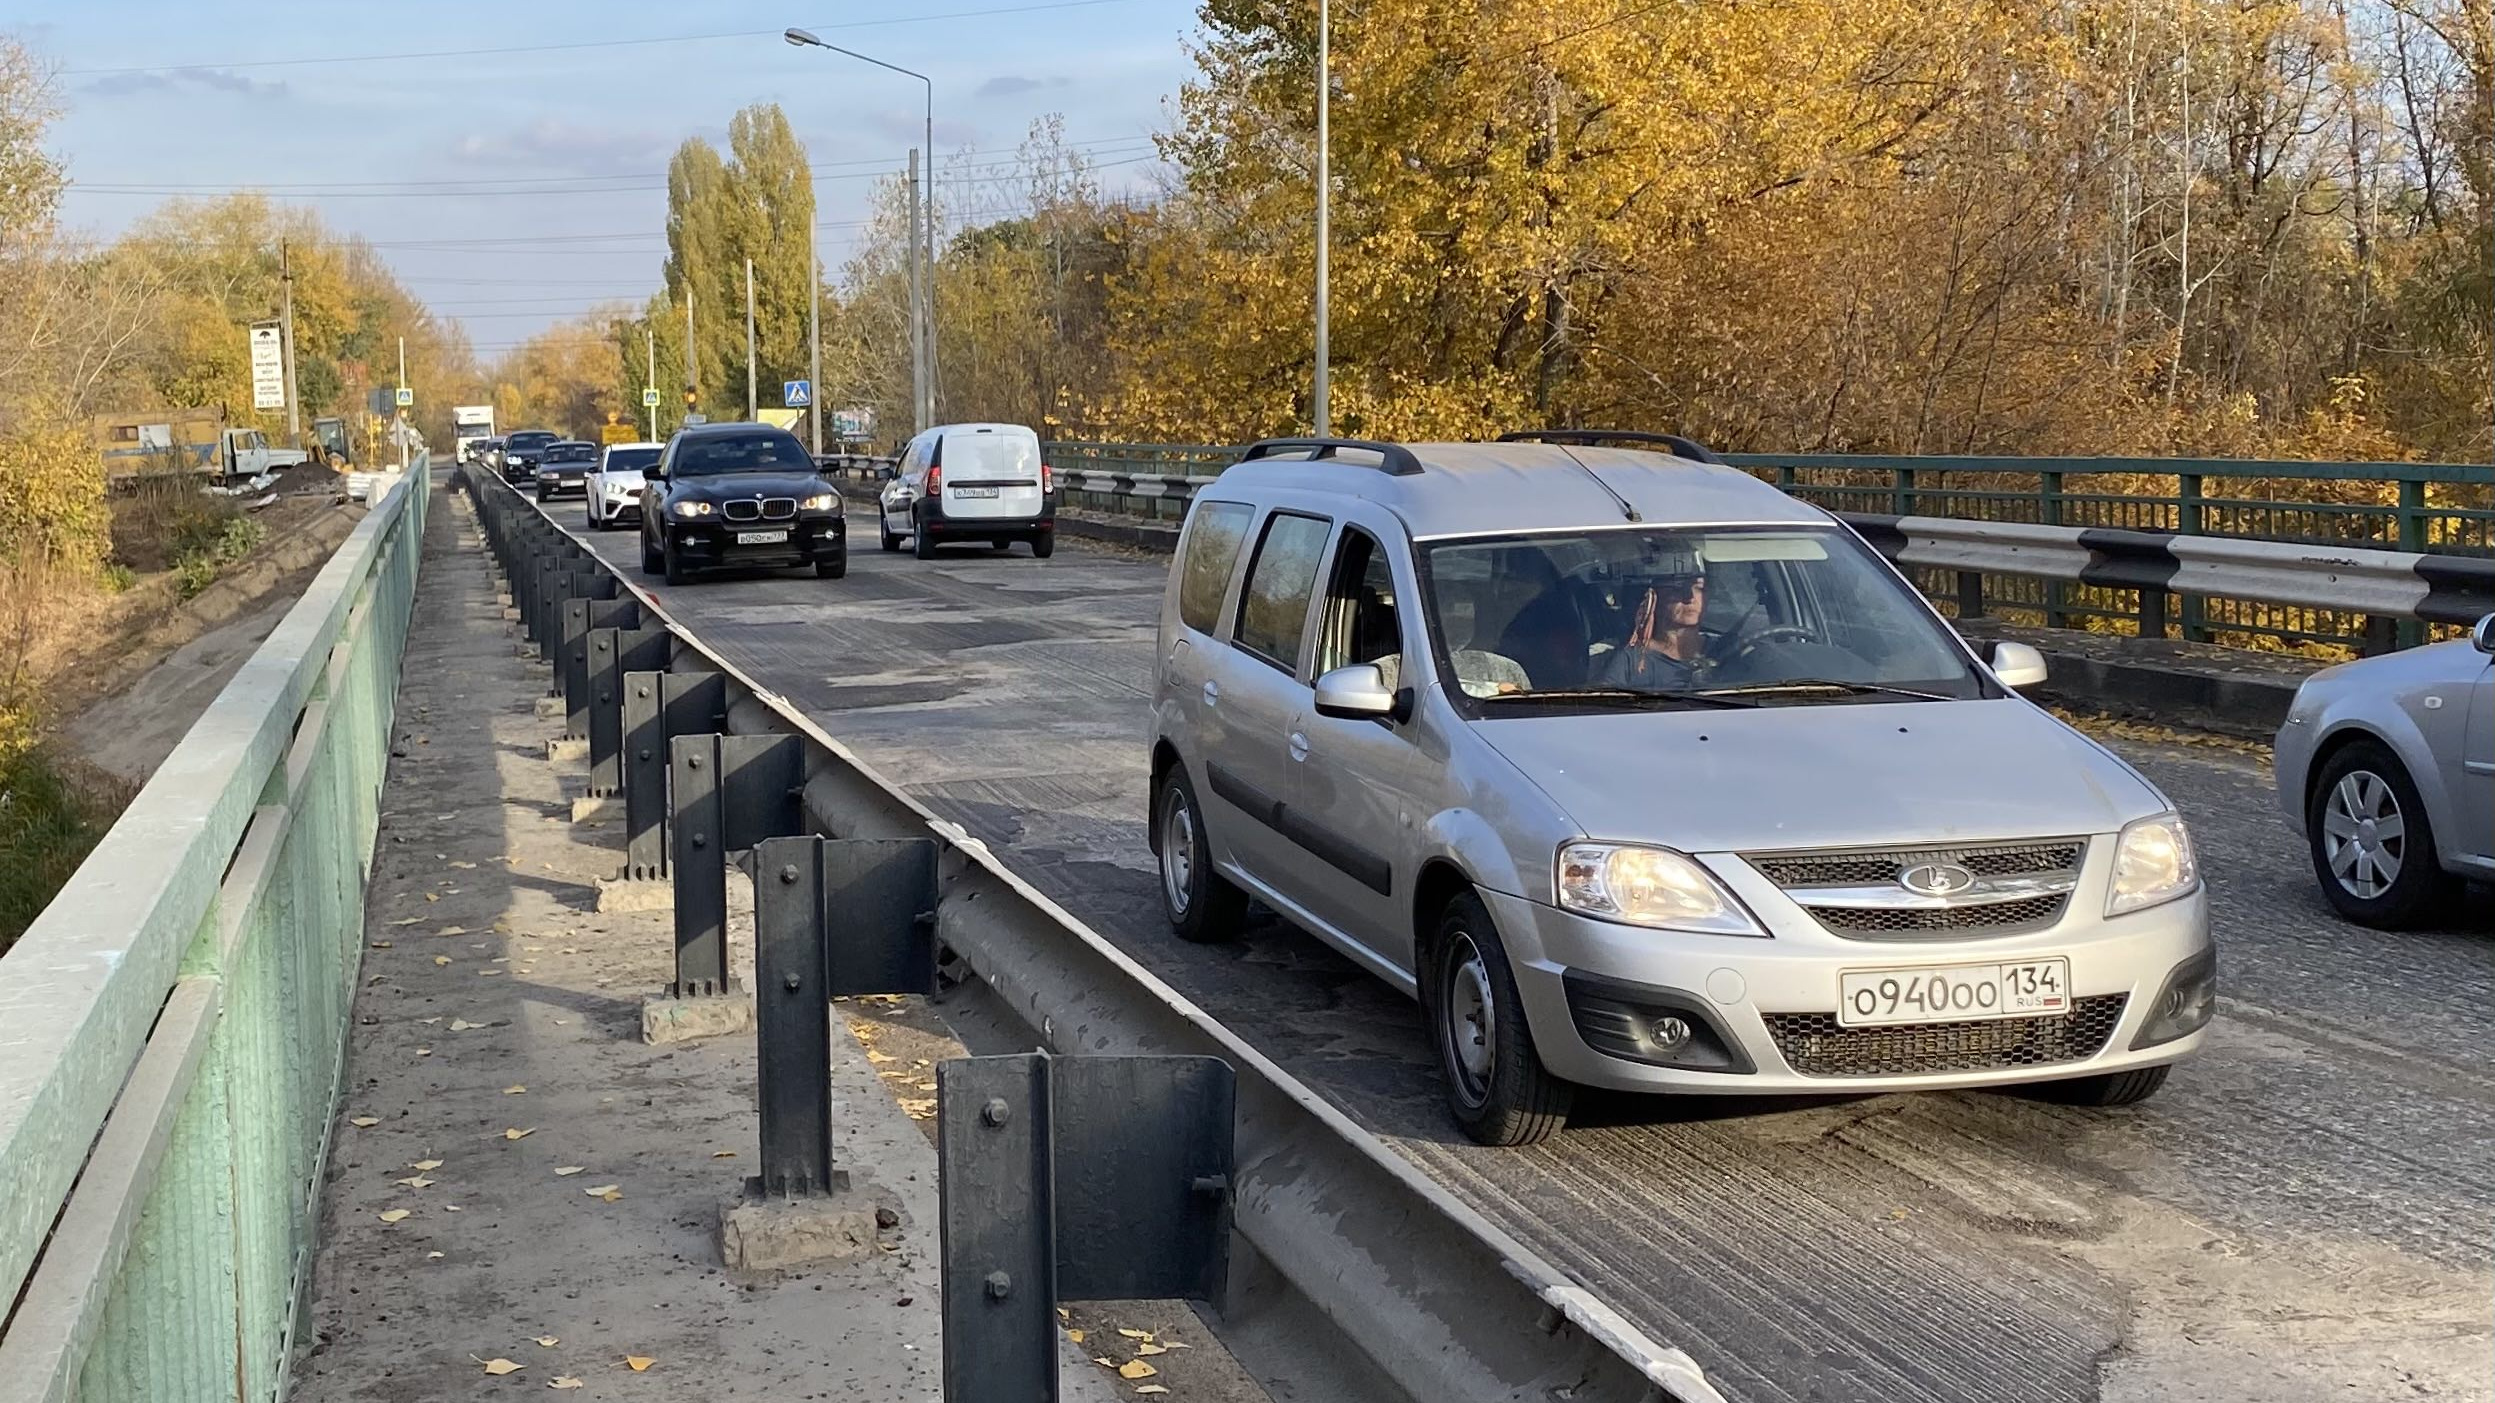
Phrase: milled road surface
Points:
(2303, 1213)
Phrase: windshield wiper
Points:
(1620, 696)
(1823, 684)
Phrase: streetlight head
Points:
(802, 37)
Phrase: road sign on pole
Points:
(649, 398)
(406, 397)
(797, 394)
(268, 365)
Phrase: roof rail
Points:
(1591, 438)
(1393, 458)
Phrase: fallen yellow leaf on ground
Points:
(564, 1381)
(515, 1089)
(567, 1171)
(417, 1181)
(450, 1207)
(462, 1025)
(441, 959)
(433, 1256)
(424, 1166)
(452, 930)
(424, 1052)
(432, 896)
(723, 1154)
(364, 1120)
(1136, 1334)
(407, 920)
(638, 1363)
(393, 1215)
(1136, 1369)
(1147, 1389)
(499, 1366)
(1104, 1363)
(1150, 1349)
(429, 1022)
(1075, 1335)
(381, 945)
(549, 1341)
(609, 1192)
(517, 1134)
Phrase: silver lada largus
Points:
(1640, 774)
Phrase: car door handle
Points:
(1299, 745)
(1212, 693)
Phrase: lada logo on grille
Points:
(1936, 879)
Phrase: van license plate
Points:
(761, 538)
(969, 492)
(1869, 998)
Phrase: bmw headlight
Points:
(2153, 864)
(693, 509)
(820, 502)
(1654, 887)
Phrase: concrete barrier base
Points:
(597, 808)
(666, 1020)
(566, 748)
(550, 708)
(758, 1234)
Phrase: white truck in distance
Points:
(471, 424)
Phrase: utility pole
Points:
(649, 336)
(920, 409)
(814, 340)
(399, 412)
(286, 318)
(751, 405)
(1319, 410)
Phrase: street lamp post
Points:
(1319, 410)
(922, 240)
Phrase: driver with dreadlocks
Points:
(1664, 652)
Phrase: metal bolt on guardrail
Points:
(832, 918)
(726, 794)
(1093, 1178)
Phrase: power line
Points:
(584, 44)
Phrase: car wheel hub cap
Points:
(1471, 1014)
(1178, 854)
(2364, 835)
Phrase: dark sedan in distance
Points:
(727, 496)
(521, 451)
(565, 467)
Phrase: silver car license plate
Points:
(761, 538)
(969, 492)
(1870, 998)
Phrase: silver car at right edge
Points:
(2388, 766)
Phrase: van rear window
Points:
(982, 456)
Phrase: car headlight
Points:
(819, 502)
(1649, 887)
(2153, 864)
(693, 508)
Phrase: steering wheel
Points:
(1774, 633)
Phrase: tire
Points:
(1201, 904)
(671, 562)
(1000, 546)
(2391, 882)
(541, 494)
(1044, 546)
(883, 534)
(2104, 1089)
(651, 562)
(1496, 1086)
(832, 569)
(921, 545)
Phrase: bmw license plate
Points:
(969, 492)
(761, 538)
(1869, 998)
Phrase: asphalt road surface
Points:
(2303, 1213)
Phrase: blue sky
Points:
(234, 119)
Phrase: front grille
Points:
(779, 508)
(740, 511)
(776, 508)
(1998, 918)
(1816, 1045)
(1831, 869)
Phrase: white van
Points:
(971, 482)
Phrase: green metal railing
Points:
(172, 1025)
(2428, 507)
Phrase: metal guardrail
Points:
(1157, 481)
(1353, 1274)
(172, 1026)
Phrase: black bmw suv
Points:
(521, 452)
(739, 495)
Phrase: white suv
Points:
(1642, 774)
(615, 486)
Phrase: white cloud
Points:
(219, 80)
(573, 149)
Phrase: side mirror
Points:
(654, 473)
(2484, 634)
(2017, 664)
(1354, 693)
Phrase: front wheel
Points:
(2373, 848)
(671, 561)
(651, 561)
(1496, 1085)
(1202, 905)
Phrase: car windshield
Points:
(630, 460)
(529, 442)
(571, 453)
(761, 451)
(1688, 616)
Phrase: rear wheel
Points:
(2105, 1088)
(1496, 1085)
(1044, 545)
(922, 545)
(1201, 903)
(884, 536)
(2373, 848)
